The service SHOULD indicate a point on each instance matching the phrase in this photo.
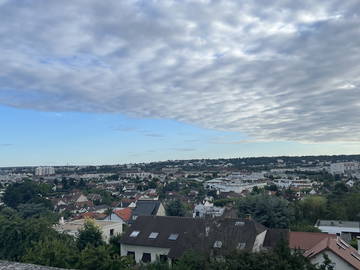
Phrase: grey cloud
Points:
(273, 70)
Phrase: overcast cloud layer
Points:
(274, 70)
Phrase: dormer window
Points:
(217, 244)
(153, 235)
(134, 234)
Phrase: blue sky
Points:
(50, 138)
(141, 80)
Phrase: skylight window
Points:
(153, 235)
(134, 234)
(173, 236)
(239, 223)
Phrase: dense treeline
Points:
(33, 240)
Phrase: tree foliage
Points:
(26, 192)
(175, 208)
(271, 211)
(90, 235)
(17, 234)
(56, 252)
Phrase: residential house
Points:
(315, 245)
(135, 209)
(167, 238)
(341, 254)
(207, 209)
(346, 229)
(108, 228)
(147, 208)
(306, 240)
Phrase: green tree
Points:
(101, 258)
(56, 252)
(175, 208)
(17, 235)
(90, 235)
(312, 208)
(271, 211)
(25, 192)
(36, 210)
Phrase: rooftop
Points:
(5, 265)
(338, 223)
(78, 224)
(306, 240)
(182, 233)
(339, 247)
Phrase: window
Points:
(217, 244)
(146, 257)
(173, 236)
(241, 245)
(163, 258)
(131, 254)
(134, 233)
(153, 235)
(111, 232)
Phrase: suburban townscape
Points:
(197, 213)
(179, 135)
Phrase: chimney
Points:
(207, 230)
(358, 243)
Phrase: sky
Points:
(109, 82)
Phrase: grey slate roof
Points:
(5, 265)
(145, 208)
(194, 234)
(274, 235)
(338, 223)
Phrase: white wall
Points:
(117, 227)
(161, 210)
(259, 241)
(139, 250)
(340, 264)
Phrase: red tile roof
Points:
(307, 240)
(339, 247)
(124, 214)
(93, 215)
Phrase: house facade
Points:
(167, 238)
(107, 228)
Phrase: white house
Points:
(167, 238)
(207, 209)
(338, 226)
(342, 255)
(108, 228)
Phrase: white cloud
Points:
(274, 70)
